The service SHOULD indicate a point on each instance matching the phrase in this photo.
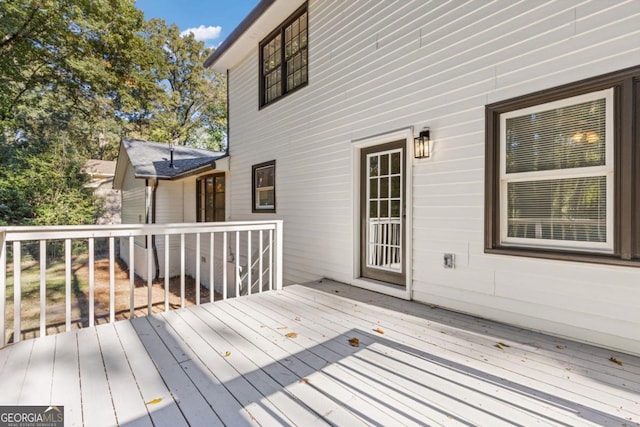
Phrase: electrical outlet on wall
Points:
(449, 261)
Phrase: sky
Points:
(209, 20)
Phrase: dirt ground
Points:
(55, 312)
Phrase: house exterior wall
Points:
(376, 67)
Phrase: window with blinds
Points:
(556, 174)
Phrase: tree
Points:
(191, 106)
(75, 77)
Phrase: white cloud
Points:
(203, 33)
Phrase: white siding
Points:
(380, 66)
(134, 206)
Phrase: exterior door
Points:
(382, 213)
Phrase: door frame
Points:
(356, 146)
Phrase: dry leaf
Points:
(500, 345)
(355, 342)
(560, 347)
(154, 401)
(616, 361)
(304, 380)
(379, 330)
(227, 354)
(291, 335)
(282, 327)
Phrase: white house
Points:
(164, 185)
(527, 210)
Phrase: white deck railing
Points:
(252, 249)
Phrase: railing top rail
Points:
(24, 233)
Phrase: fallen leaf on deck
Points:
(355, 342)
(282, 327)
(380, 331)
(616, 361)
(560, 347)
(291, 335)
(304, 380)
(500, 345)
(154, 401)
(227, 354)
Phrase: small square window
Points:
(264, 187)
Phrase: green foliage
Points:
(75, 77)
(190, 106)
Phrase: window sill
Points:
(592, 258)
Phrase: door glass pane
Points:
(395, 186)
(395, 163)
(373, 188)
(395, 208)
(384, 209)
(384, 164)
(373, 209)
(373, 166)
(384, 187)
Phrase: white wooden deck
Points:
(231, 363)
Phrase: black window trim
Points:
(626, 198)
(199, 202)
(280, 30)
(254, 168)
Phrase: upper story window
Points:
(210, 198)
(561, 172)
(283, 58)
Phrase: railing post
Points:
(279, 254)
(3, 285)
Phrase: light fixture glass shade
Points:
(422, 145)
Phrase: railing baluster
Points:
(279, 255)
(43, 288)
(249, 264)
(67, 281)
(3, 286)
(197, 268)
(132, 278)
(17, 290)
(91, 282)
(212, 260)
(270, 277)
(237, 260)
(230, 252)
(260, 268)
(149, 275)
(166, 272)
(112, 280)
(224, 265)
(182, 260)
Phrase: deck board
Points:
(127, 400)
(39, 373)
(231, 363)
(589, 383)
(65, 387)
(498, 365)
(97, 404)
(165, 411)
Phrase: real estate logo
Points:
(31, 416)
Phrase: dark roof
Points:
(153, 159)
(246, 23)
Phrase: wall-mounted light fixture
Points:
(422, 145)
